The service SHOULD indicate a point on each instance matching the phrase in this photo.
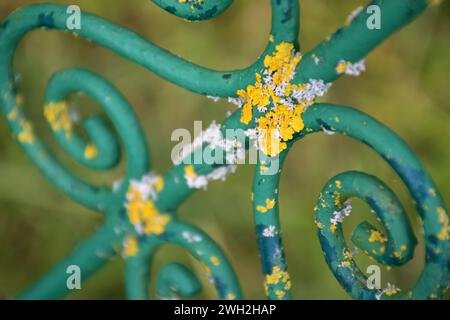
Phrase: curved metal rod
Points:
(122, 116)
(102, 151)
(199, 245)
(394, 248)
(190, 76)
(353, 41)
(174, 281)
(285, 26)
(396, 13)
(397, 245)
(89, 256)
(131, 46)
(318, 64)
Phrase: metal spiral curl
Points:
(180, 282)
(351, 43)
(394, 248)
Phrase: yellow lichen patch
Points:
(159, 184)
(345, 264)
(263, 169)
(270, 204)
(337, 200)
(333, 228)
(376, 236)
(58, 116)
(231, 296)
(391, 290)
(279, 126)
(278, 277)
(207, 269)
(130, 246)
(214, 260)
(348, 254)
(288, 285)
(191, 1)
(90, 151)
(273, 87)
(342, 66)
(156, 224)
(319, 224)
(443, 219)
(189, 171)
(349, 68)
(26, 135)
(13, 114)
(143, 214)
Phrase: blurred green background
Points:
(405, 87)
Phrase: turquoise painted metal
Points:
(393, 246)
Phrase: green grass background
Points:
(405, 87)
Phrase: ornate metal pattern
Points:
(141, 211)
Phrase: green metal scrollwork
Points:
(394, 249)
(139, 219)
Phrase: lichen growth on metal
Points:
(143, 214)
(58, 116)
(351, 69)
(279, 103)
(280, 89)
(90, 151)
